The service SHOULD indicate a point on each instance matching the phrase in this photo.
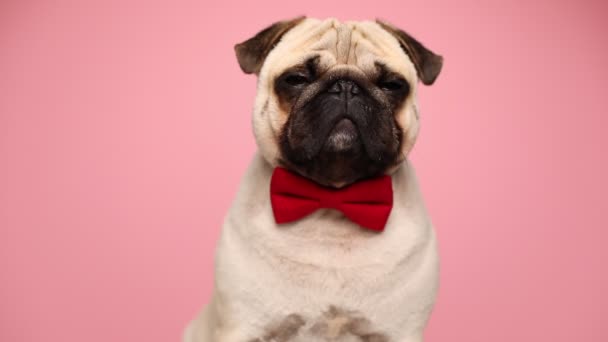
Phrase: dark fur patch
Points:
(286, 91)
(337, 322)
(428, 64)
(315, 110)
(332, 325)
(284, 330)
(252, 52)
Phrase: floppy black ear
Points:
(252, 52)
(428, 64)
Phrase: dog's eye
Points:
(296, 79)
(393, 85)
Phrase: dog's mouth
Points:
(344, 136)
(339, 153)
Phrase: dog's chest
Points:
(321, 278)
(311, 292)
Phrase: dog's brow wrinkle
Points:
(343, 42)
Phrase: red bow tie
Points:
(367, 203)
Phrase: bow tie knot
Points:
(330, 200)
(367, 203)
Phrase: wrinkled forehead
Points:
(358, 45)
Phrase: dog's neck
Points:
(326, 232)
(255, 185)
(262, 166)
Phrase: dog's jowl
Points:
(328, 238)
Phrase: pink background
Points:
(125, 128)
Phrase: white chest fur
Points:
(321, 278)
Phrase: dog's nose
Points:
(344, 86)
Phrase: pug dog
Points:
(335, 114)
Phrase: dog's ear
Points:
(252, 52)
(428, 64)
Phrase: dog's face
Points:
(336, 101)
